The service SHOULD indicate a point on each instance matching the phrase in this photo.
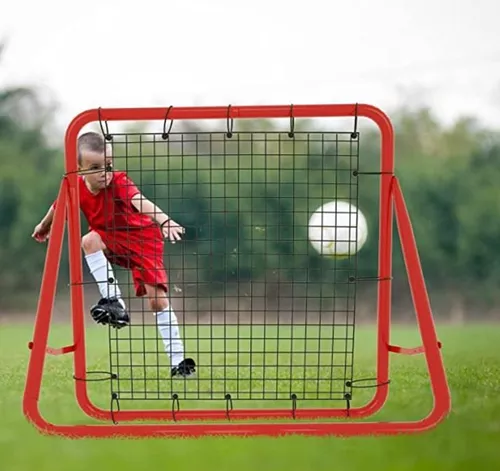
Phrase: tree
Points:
(30, 172)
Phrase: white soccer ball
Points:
(337, 229)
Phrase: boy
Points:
(128, 230)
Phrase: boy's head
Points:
(95, 160)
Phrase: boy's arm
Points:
(144, 206)
(48, 218)
(42, 230)
(169, 227)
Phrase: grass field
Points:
(468, 439)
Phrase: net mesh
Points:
(263, 315)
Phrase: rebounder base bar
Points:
(392, 201)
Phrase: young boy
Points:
(126, 229)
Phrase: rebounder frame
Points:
(391, 203)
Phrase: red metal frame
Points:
(391, 201)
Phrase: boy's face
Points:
(97, 169)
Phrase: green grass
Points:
(468, 438)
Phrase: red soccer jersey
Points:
(111, 209)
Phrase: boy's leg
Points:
(100, 268)
(150, 279)
(168, 328)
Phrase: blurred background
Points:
(434, 67)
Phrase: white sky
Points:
(160, 53)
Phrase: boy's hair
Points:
(90, 141)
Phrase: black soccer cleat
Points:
(185, 368)
(109, 311)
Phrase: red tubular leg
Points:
(431, 346)
(44, 311)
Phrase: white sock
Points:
(169, 331)
(103, 274)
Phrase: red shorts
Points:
(141, 251)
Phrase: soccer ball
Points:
(337, 229)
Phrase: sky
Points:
(441, 53)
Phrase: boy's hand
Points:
(172, 230)
(41, 232)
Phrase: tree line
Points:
(245, 201)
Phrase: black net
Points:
(263, 315)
